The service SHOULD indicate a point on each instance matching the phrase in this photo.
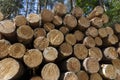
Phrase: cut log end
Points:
(79, 35)
(98, 41)
(105, 18)
(70, 76)
(39, 32)
(112, 39)
(117, 28)
(49, 26)
(102, 32)
(109, 30)
(82, 75)
(57, 20)
(70, 38)
(36, 78)
(64, 30)
(95, 76)
(1, 16)
(116, 64)
(97, 22)
(92, 31)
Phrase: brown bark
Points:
(82, 75)
(49, 26)
(50, 72)
(98, 41)
(70, 38)
(79, 35)
(39, 32)
(55, 37)
(57, 20)
(1, 16)
(33, 58)
(102, 32)
(96, 76)
(36, 78)
(64, 29)
(80, 51)
(97, 22)
(70, 76)
(92, 31)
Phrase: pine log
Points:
(9, 69)
(50, 54)
(91, 65)
(109, 30)
(96, 53)
(17, 50)
(77, 12)
(1, 16)
(25, 34)
(20, 20)
(41, 43)
(57, 20)
(65, 49)
(80, 51)
(34, 20)
(47, 15)
(70, 21)
(102, 32)
(49, 26)
(50, 72)
(79, 35)
(110, 53)
(96, 76)
(64, 29)
(4, 45)
(83, 23)
(82, 75)
(112, 39)
(97, 22)
(60, 9)
(70, 76)
(39, 32)
(33, 58)
(105, 18)
(92, 31)
(97, 11)
(55, 37)
(89, 41)
(98, 41)
(117, 28)
(36, 78)
(70, 38)
(108, 71)
(116, 64)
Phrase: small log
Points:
(108, 71)
(70, 76)
(96, 76)
(112, 39)
(96, 53)
(9, 69)
(65, 49)
(82, 75)
(50, 54)
(33, 58)
(116, 64)
(117, 28)
(57, 20)
(50, 72)
(1, 16)
(47, 15)
(70, 21)
(60, 9)
(97, 22)
(55, 37)
(79, 35)
(34, 20)
(83, 23)
(80, 51)
(109, 30)
(110, 53)
(70, 38)
(98, 41)
(39, 32)
(20, 20)
(25, 34)
(4, 45)
(64, 29)
(17, 50)
(49, 26)
(92, 31)
(89, 41)
(36, 78)
(105, 18)
(41, 43)
(77, 12)
(102, 32)
(97, 11)
(91, 65)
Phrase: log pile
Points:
(56, 45)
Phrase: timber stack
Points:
(57, 45)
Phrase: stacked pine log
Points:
(56, 45)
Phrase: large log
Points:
(70, 38)
(50, 72)
(82, 75)
(1, 16)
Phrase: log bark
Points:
(57, 20)
(39, 32)
(25, 34)
(92, 31)
(50, 72)
(97, 22)
(70, 38)
(50, 54)
(70, 76)
(41, 43)
(17, 50)
(91, 65)
(49, 26)
(82, 75)
(80, 51)
(64, 30)
(4, 45)
(98, 41)
(33, 58)
(102, 32)
(20, 20)
(96, 76)
(36, 78)
(1, 16)
(79, 35)
(55, 37)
